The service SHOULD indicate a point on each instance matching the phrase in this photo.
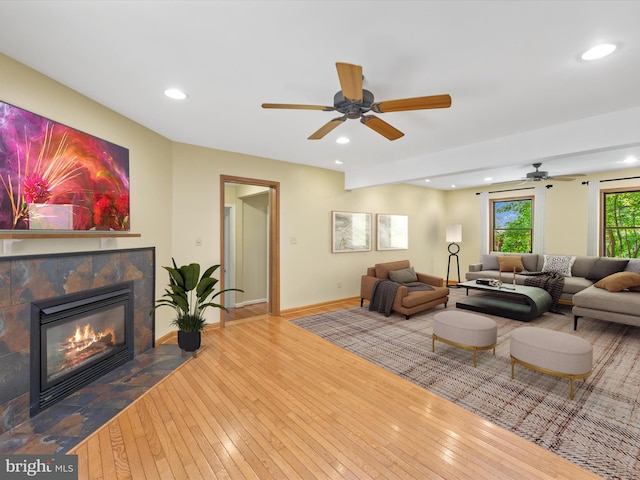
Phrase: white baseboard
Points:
(250, 302)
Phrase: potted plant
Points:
(190, 294)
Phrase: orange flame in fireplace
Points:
(85, 337)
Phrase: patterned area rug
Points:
(598, 430)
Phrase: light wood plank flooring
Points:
(248, 311)
(266, 399)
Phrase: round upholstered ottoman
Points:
(464, 330)
(555, 353)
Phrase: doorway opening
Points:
(250, 244)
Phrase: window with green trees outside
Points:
(621, 223)
(512, 225)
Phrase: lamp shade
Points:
(454, 233)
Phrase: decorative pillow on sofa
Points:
(509, 262)
(558, 264)
(605, 267)
(619, 281)
(405, 275)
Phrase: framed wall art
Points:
(392, 232)
(351, 232)
(54, 177)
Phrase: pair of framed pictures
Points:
(351, 232)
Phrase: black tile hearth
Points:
(62, 426)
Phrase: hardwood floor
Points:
(266, 399)
(248, 311)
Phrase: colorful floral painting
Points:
(55, 177)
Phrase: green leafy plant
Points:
(190, 294)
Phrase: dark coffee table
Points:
(519, 302)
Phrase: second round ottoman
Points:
(464, 330)
(555, 353)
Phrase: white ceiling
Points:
(520, 92)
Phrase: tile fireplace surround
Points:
(24, 279)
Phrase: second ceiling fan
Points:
(355, 102)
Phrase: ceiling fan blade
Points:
(417, 103)
(382, 127)
(295, 106)
(350, 81)
(326, 128)
(567, 178)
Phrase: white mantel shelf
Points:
(19, 235)
(9, 237)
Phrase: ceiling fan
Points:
(538, 175)
(355, 102)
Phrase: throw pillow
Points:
(509, 262)
(558, 264)
(489, 262)
(405, 275)
(605, 267)
(619, 281)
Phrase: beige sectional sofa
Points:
(579, 289)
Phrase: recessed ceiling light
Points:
(175, 94)
(488, 179)
(598, 51)
(453, 186)
(427, 180)
(339, 162)
(630, 159)
(342, 140)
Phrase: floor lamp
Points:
(454, 236)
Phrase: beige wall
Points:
(565, 230)
(310, 273)
(150, 165)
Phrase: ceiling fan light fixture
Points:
(175, 93)
(599, 51)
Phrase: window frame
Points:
(602, 229)
(492, 229)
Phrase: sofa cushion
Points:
(419, 297)
(575, 284)
(558, 264)
(508, 262)
(405, 275)
(583, 265)
(489, 262)
(633, 265)
(383, 269)
(530, 261)
(619, 281)
(599, 299)
(605, 267)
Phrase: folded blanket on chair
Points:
(383, 295)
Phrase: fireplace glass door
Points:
(76, 343)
